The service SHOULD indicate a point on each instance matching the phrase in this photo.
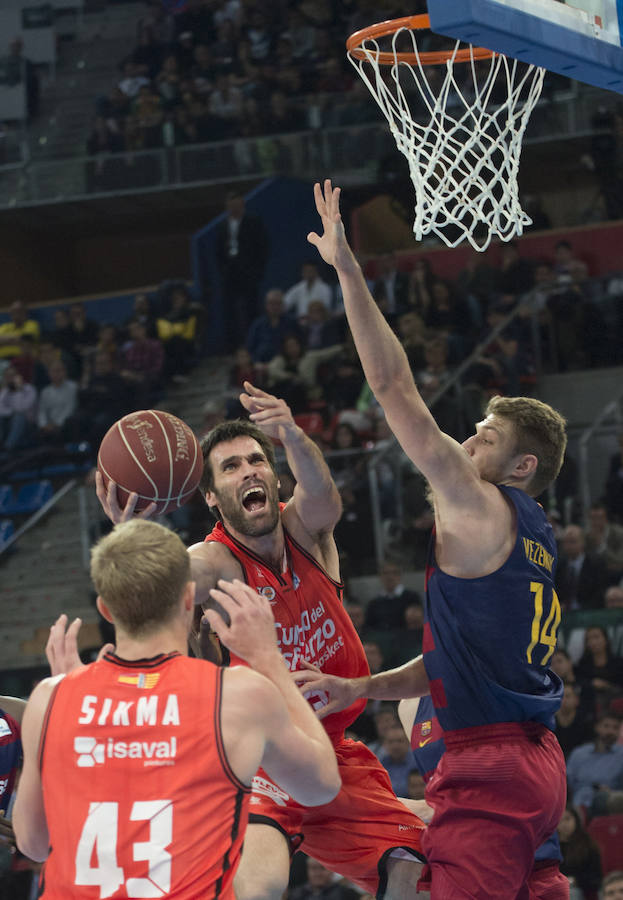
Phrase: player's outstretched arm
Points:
(387, 370)
(316, 499)
(409, 680)
(294, 747)
(29, 822)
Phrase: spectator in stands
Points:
(596, 765)
(614, 484)
(260, 35)
(413, 337)
(102, 399)
(605, 540)
(581, 859)
(310, 287)
(147, 55)
(226, 101)
(268, 330)
(572, 727)
(84, 332)
(397, 758)
(61, 334)
(343, 378)
(612, 886)
(147, 116)
(416, 786)
(449, 315)
(578, 325)
(354, 534)
(349, 466)
(387, 610)
(57, 403)
(142, 312)
(562, 664)
(567, 266)
(18, 408)
(381, 714)
(432, 378)
(49, 352)
(613, 597)
(356, 613)
(21, 68)
(131, 80)
(393, 283)
(580, 577)
(320, 329)
(420, 288)
(142, 365)
(600, 666)
(18, 325)
(478, 280)
(242, 249)
(514, 275)
(28, 364)
(292, 373)
(322, 884)
(177, 329)
(106, 137)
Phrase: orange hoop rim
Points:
(414, 23)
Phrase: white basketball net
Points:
(463, 159)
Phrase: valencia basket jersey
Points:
(310, 619)
(139, 797)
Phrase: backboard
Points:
(581, 43)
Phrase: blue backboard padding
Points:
(530, 38)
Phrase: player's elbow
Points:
(31, 844)
(325, 787)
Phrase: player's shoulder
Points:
(215, 556)
(249, 693)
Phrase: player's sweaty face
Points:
(245, 487)
(491, 449)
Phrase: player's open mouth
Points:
(254, 498)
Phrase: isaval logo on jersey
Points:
(92, 752)
(145, 680)
(295, 581)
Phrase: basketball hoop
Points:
(462, 142)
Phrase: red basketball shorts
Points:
(355, 833)
(498, 792)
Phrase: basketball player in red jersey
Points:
(289, 555)
(137, 768)
(491, 612)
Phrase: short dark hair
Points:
(227, 431)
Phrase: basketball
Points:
(153, 454)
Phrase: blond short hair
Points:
(140, 570)
(539, 430)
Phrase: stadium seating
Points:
(6, 532)
(30, 497)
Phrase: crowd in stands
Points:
(214, 70)
(72, 382)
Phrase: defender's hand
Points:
(332, 244)
(62, 647)
(343, 692)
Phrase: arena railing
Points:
(352, 149)
(32, 520)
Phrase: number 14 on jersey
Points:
(543, 636)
